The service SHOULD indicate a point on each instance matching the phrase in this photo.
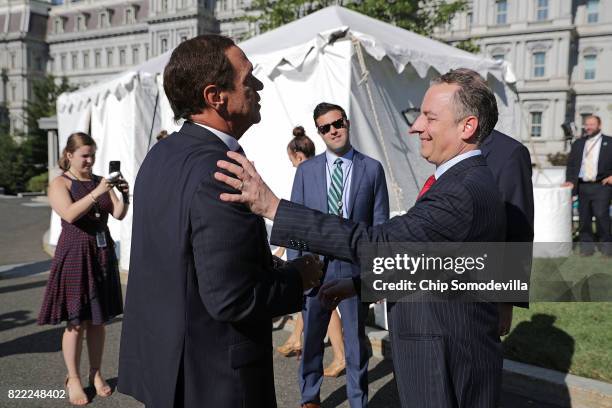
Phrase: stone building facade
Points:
(91, 40)
(561, 53)
(23, 56)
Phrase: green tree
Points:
(24, 155)
(419, 16)
(44, 96)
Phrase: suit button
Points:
(292, 243)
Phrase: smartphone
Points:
(113, 166)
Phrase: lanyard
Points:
(592, 146)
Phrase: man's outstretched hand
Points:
(332, 292)
(310, 268)
(253, 190)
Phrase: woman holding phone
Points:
(84, 287)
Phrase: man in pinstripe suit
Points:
(445, 354)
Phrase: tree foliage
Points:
(419, 16)
(24, 155)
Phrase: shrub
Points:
(38, 183)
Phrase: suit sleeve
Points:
(518, 196)
(297, 196)
(517, 193)
(233, 264)
(441, 216)
(381, 196)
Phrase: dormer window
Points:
(81, 22)
(130, 14)
(58, 25)
(104, 18)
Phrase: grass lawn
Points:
(567, 336)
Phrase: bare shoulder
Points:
(60, 183)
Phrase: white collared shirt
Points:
(441, 169)
(347, 165)
(592, 146)
(229, 141)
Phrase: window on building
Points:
(58, 25)
(183, 37)
(536, 124)
(164, 5)
(164, 45)
(63, 62)
(81, 24)
(135, 55)
(590, 61)
(98, 59)
(470, 19)
(75, 62)
(592, 11)
(104, 19)
(498, 57)
(501, 16)
(122, 57)
(109, 58)
(13, 60)
(146, 54)
(542, 10)
(129, 15)
(14, 92)
(38, 63)
(539, 64)
(86, 59)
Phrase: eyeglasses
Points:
(338, 124)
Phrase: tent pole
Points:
(399, 196)
(153, 120)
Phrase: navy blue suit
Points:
(445, 355)
(368, 203)
(202, 289)
(510, 163)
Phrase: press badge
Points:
(101, 239)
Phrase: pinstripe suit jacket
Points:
(445, 354)
(202, 288)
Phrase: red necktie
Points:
(430, 182)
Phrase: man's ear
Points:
(213, 96)
(470, 125)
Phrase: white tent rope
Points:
(399, 196)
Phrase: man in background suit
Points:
(444, 354)
(203, 288)
(589, 174)
(510, 163)
(344, 182)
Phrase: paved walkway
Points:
(30, 355)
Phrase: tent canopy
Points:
(373, 69)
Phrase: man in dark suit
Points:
(589, 174)
(203, 286)
(344, 182)
(510, 162)
(444, 354)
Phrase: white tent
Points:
(373, 69)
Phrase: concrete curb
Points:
(536, 383)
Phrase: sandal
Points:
(78, 399)
(102, 388)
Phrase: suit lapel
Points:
(358, 169)
(603, 153)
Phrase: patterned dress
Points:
(84, 279)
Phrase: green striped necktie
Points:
(334, 195)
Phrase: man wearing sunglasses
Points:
(344, 182)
